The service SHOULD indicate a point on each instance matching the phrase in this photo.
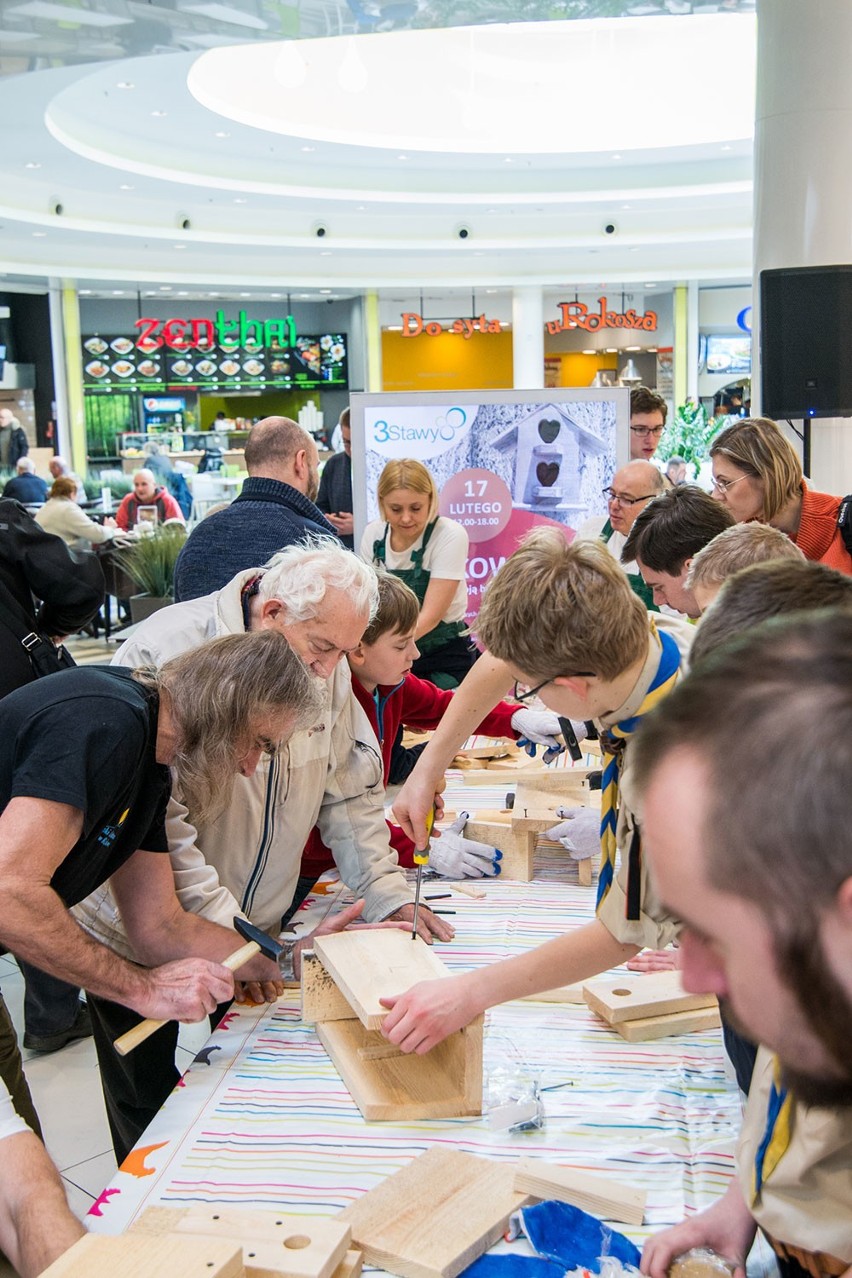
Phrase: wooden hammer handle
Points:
(146, 1028)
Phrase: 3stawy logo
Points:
(420, 432)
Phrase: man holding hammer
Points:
(84, 785)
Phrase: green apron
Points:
(417, 579)
(637, 582)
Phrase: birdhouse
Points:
(550, 450)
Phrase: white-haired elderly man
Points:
(25, 485)
(321, 598)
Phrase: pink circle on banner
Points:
(479, 500)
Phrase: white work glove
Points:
(539, 727)
(579, 833)
(459, 858)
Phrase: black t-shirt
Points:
(87, 737)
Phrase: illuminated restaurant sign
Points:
(577, 315)
(413, 325)
(202, 334)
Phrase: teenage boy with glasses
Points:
(648, 412)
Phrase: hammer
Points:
(257, 942)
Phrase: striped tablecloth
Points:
(262, 1117)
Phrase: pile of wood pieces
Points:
(641, 1007)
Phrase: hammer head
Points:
(268, 947)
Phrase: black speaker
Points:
(806, 342)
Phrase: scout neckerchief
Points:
(614, 740)
(776, 1135)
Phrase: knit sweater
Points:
(420, 705)
(267, 516)
(818, 536)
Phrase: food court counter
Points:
(136, 461)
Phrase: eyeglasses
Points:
(623, 499)
(521, 692)
(647, 430)
(722, 485)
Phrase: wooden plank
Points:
(537, 809)
(436, 1216)
(468, 889)
(351, 1264)
(321, 999)
(370, 965)
(273, 1243)
(641, 994)
(444, 1083)
(584, 872)
(518, 848)
(596, 1194)
(499, 748)
(141, 1255)
(648, 1028)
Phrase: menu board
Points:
(312, 362)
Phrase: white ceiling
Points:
(355, 162)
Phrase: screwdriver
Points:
(421, 858)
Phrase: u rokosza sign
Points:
(416, 432)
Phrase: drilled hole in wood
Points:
(623, 993)
(297, 1241)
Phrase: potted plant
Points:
(150, 563)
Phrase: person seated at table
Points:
(36, 1223)
(735, 548)
(391, 695)
(757, 475)
(146, 492)
(564, 623)
(60, 469)
(25, 485)
(429, 553)
(61, 516)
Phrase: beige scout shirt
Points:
(655, 927)
(807, 1200)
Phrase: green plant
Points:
(150, 561)
(119, 486)
(689, 435)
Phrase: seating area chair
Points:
(207, 491)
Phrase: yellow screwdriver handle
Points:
(421, 855)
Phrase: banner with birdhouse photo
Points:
(503, 461)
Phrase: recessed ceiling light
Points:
(650, 286)
(245, 294)
(325, 253)
(508, 159)
(625, 206)
(361, 208)
(617, 156)
(39, 235)
(84, 292)
(165, 288)
(179, 246)
(325, 290)
(726, 146)
(159, 115)
(183, 293)
(32, 164)
(491, 290)
(633, 348)
(118, 292)
(240, 199)
(592, 352)
(125, 84)
(276, 296)
(221, 133)
(479, 253)
(308, 148)
(127, 186)
(402, 157)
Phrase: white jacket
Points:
(247, 861)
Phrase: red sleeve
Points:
(121, 514)
(498, 722)
(402, 845)
(424, 705)
(173, 510)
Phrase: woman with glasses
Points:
(757, 475)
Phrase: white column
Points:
(692, 338)
(803, 172)
(528, 338)
(60, 372)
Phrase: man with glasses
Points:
(647, 422)
(591, 653)
(632, 488)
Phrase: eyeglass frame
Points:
(524, 697)
(647, 430)
(722, 485)
(611, 496)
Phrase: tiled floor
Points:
(66, 1088)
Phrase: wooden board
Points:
(638, 994)
(535, 809)
(141, 1256)
(648, 1028)
(351, 1264)
(445, 1083)
(273, 1243)
(321, 999)
(436, 1216)
(562, 994)
(596, 1194)
(369, 965)
(499, 748)
(518, 848)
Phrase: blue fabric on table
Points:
(572, 1237)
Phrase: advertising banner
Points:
(503, 461)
